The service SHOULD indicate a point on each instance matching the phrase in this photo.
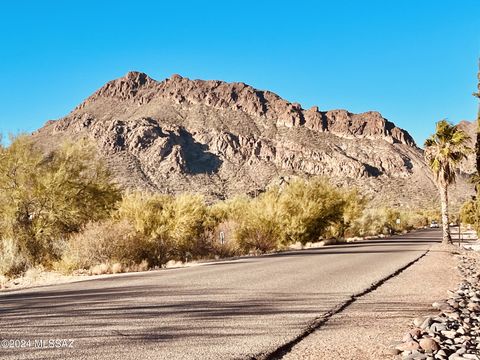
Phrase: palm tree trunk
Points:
(477, 144)
(447, 239)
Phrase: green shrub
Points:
(189, 226)
(469, 213)
(151, 216)
(353, 208)
(385, 221)
(375, 222)
(45, 198)
(176, 226)
(228, 209)
(308, 208)
(258, 227)
(302, 211)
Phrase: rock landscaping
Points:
(453, 333)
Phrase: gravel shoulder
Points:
(366, 328)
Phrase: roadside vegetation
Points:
(444, 150)
(45, 199)
(63, 211)
(469, 214)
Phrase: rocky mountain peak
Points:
(222, 139)
(175, 77)
(138, 88)
(470, 128)
(121, 89)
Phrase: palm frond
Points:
(444, 150)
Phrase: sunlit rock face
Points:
(222, 139)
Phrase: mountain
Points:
(222, 139)
(470, 128)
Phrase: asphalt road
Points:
(224, 310)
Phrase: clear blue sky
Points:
(414, 61)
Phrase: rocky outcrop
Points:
(123, 89)
(223, 138)
(139, 89)
(470, 128)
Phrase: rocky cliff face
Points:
(223, 138)
(139, 89)
(470, 128)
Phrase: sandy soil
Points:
(38, 277)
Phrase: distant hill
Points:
(223, 139)
(470, 127)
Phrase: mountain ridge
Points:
(222, 139)
(254, 102)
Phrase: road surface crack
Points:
(317, 323)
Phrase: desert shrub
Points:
(411, 220)
(224, 217)
(227, 210)
(353, 208)
(100, 269)
(414, 219)
(308, 208)
(258, 223)
(108, 242)
(45, 198)
(375, 221)
(390, 217)
(230, 246)
(302, 211)
(190, 219)
(469, 213)
(12, 261)
(117, 268)
(175, 226)
(152, 216)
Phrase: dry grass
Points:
(141, 266)
(116, 268)
(105, 247)
(100, 269)
(12, 261)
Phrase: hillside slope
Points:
(222, 139)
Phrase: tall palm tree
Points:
(477, 145)
(443, 151)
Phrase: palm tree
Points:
(443, 151)
(477, 145)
